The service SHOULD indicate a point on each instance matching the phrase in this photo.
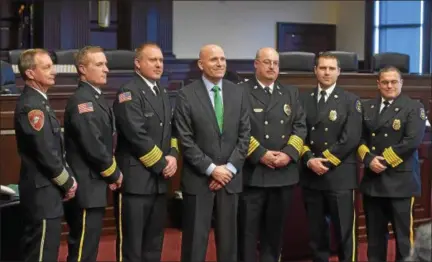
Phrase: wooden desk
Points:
(296, 247)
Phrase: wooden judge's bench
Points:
(296, 236)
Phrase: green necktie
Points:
(218, 106)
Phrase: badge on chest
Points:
(287, 109)
(396, 124)
(333, 115)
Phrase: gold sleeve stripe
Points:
(305, 149)
(332, 158)
(362, 151)
(174, 143)
(296, 142)
(253, 145)
(391, 157)
(61, 179)
(110, 170)
(151, 157)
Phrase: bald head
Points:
(266, 51)
(212, 62)
(266, 65)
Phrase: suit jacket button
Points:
(373, 148)
(313, 128)
(282, 121)
(161, 124)
(326, 129)
(267, 136)
(312, 142)
(386, 135)
(283, 136)
(265, 123)
(325, 143)
(373, 134)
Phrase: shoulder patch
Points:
(123, 97)
(358, 106)
(422, 114)
(85, 108)
(37, 119)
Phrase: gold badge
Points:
(422, 114)
(396, 124)
(287, 109)
(358, 106)
(333, 115)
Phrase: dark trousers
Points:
(197, 215)
(262, 218)
(85, 231)
(140, 227)
(339, 207)
(379, 211)
(41, 240)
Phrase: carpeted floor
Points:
(172, 248)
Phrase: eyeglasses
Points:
(268, 62)
(386, 83)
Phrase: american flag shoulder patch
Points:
(85, 108)
(123, 97)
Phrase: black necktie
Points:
(267, 90)
(321, 101)
(156, 90)
(386, 105)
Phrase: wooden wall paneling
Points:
(75, 24)
(47, 24)
(146, 21)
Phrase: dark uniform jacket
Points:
(89, 128)
(333, 133)
(396, 135)
(202, 143)
(44, 175)
(144, 136)
(278, 123)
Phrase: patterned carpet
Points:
(172, 248)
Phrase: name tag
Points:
(258, 110)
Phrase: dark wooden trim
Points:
(369, 33)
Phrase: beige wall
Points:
(241, 27)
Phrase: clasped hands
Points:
(71, 192)
(275, 159)
(220, 177)
(376, 165)
(167, 172)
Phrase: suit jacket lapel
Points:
(201, 92)
(148, 95)
(391, 111)
(229, 103)
(167, 110)
(259, 93)
(275, 96)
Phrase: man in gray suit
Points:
(212, 121)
